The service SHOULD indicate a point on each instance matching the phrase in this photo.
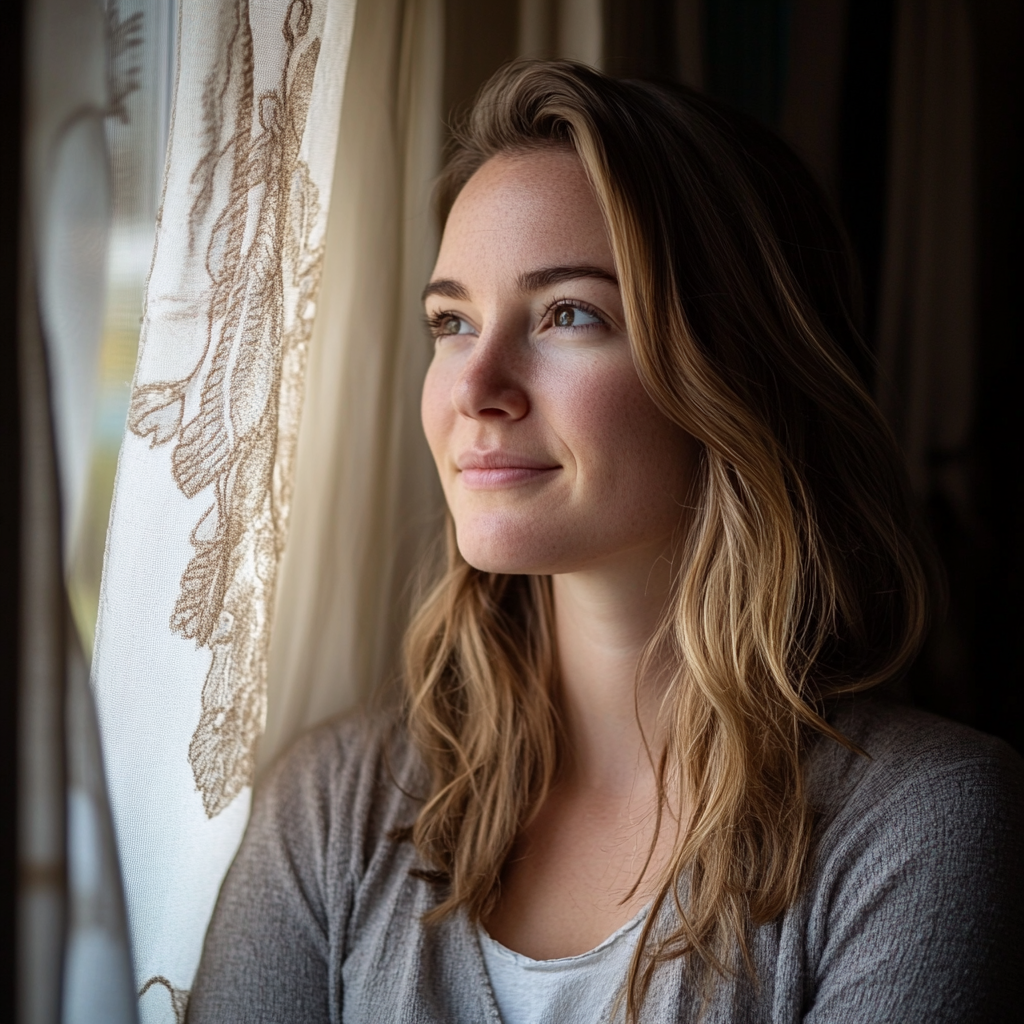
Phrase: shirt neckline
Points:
(565, 961)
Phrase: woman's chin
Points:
(486, 559)
(508, 551)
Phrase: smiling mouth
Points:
(488, 478)
(494, 470)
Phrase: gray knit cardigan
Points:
(913, 912)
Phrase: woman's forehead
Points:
(522, 210)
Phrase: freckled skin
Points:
(521, 384)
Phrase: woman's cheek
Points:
(602, 410)
(637, 462)
(436, 409)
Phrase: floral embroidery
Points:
(263, 260)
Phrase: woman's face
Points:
(552, 456)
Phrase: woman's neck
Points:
(604, 619)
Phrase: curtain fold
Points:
(73, 957)
(140, 40)
(98, 987)
(42, 851)
(927, 322)
(809, 119)
(203, 490)
(926, 330)
(366, 500)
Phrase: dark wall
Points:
(863, 140)
(746, 46)
(995, 605)
(640, 39)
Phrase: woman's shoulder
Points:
(342, 749)
(346, 782)
(320, 818)
(914, 880)
(920, 788)
(906, 752)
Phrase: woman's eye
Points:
(564, 315)
(448, 323)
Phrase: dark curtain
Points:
(992, 583)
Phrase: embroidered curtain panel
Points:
(204, 483)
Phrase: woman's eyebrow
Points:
(530, 281)
(535, 280)
(446, 288)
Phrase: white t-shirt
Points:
(571, 990)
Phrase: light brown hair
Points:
(801, 570)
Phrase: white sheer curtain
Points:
(202, 498)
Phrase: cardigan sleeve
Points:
(923, 922)
(268, 953)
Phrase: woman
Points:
(637, 773)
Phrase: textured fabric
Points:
(201, 502)
(913, 912)
(571, 990)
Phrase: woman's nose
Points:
(490, 385)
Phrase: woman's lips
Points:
(509, 476)
(494, 470)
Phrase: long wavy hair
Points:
(801, 572)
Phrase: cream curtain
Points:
(367, 507)
(365, 500)
(202, 497)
